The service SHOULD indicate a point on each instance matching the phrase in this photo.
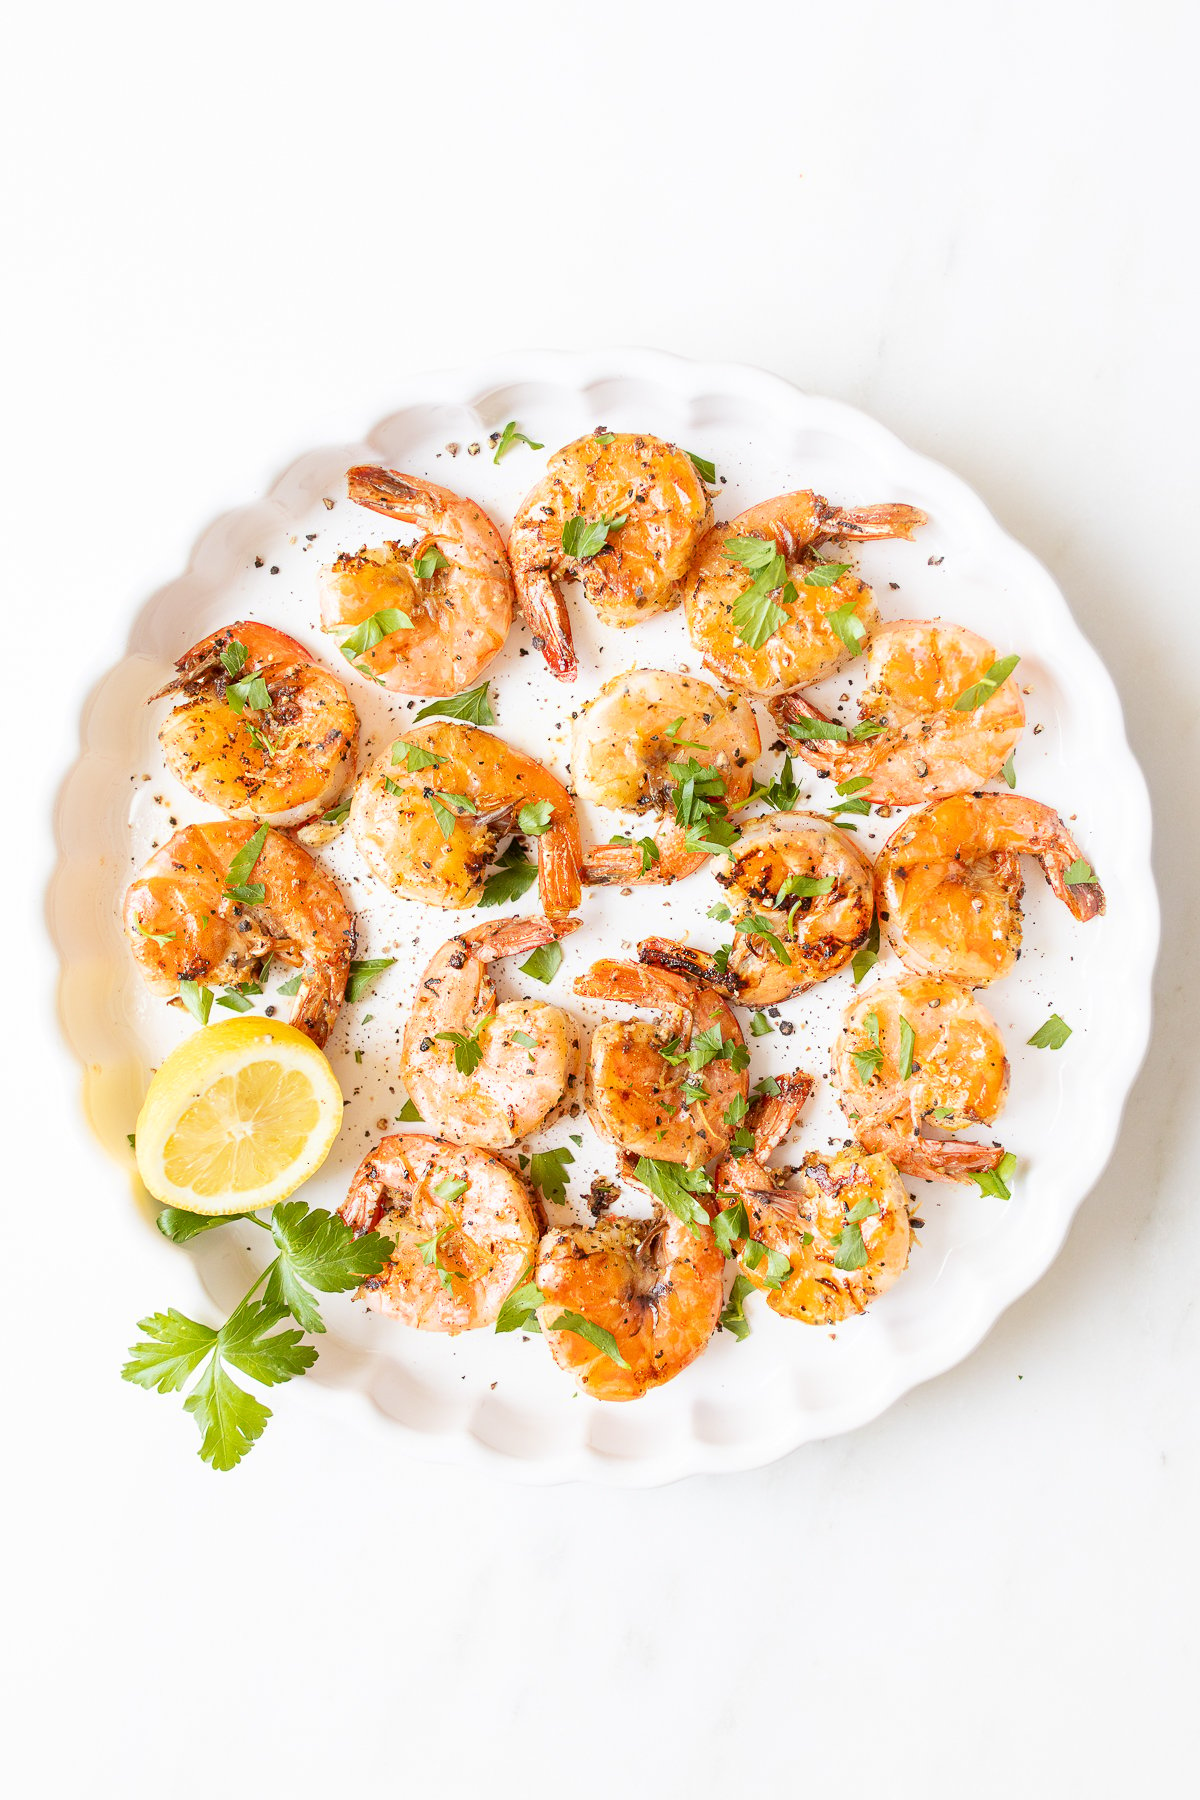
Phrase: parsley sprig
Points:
(314, 1250)
(756, 617)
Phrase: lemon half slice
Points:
(237, 1117)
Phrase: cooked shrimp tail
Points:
(684, 959)
(773, 1117)
(890, 520)
(624, 865)
(544, 610)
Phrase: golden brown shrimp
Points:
(465, 1227)
(803, 647)
(949, 886)
(633, 745)
(191, 915)
(453, 588)
(842, 1231)
(952, 1072)
(429, 813)
(663, 1089)
(809, 886)
(655, 507)
(918, 744)
(655, 1285)
(481, 1073)
(260, 729)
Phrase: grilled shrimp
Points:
(809, 886)
(919, 740)
(481, 1073)
(949, 882)
(465, 1227)
(259, 729)
(656, 1285)
(429, 813)
(633, 746)
(620, 513)
(803, 647)
(453, 588)
(663, 1089)
(843, 1230)
(957, 1075)
(191, 916)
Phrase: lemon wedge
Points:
(237, 1117)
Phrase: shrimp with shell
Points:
(939, 716)
(218, 902)
(654, 1286)
(670, 1087)
(482, 1072)
(619, 512)
(464, 1224)
(428, 617)
(949, 882)
(765, 610)
(429, 813)
(635, 747)
(259, 729)
(914, 1056)
(828, 1238)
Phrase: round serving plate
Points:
(502, 1400)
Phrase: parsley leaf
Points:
(706, 470)
(1009, 771)
(241, 867)
(408, 1114)
(252, 692)
(754, 925)
(846, 624)
(1052, 1035)
(159, 937)
(429, 1255)
(363, 971)
(803, 887)
(782, 791)
(415, 757)
(829, 728)
(866, 1062)
(233, 658)
(730, 1225)
(197, 999)
(544, 963)
(866, 958)
(548, 1171)
(584, 538)
(441, 805)
(719, 911)
(994, 1182)
(778, 1266)
(907, 1041)
(534, 819)
(180, 1226)
(512, 876)
(316, 1250)
(756, 617)
(849, 1250)
(172, 1350)
(474, 706)
(337, 815)
(987, 684)
(1079, 873)
(677, 1187)
(510, 436)
(596, 1335)
(733, 1318)
(522, 1302)
(291, 987)
(523, 1038)
(372, 631)
(468, 1051)
(827, 574)
(760, 1025)
(429, 562)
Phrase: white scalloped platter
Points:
(502, 1399)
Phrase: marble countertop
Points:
(230, 236)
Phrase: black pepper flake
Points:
(258, 562)
(274, 568)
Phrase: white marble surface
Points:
(230, 232)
